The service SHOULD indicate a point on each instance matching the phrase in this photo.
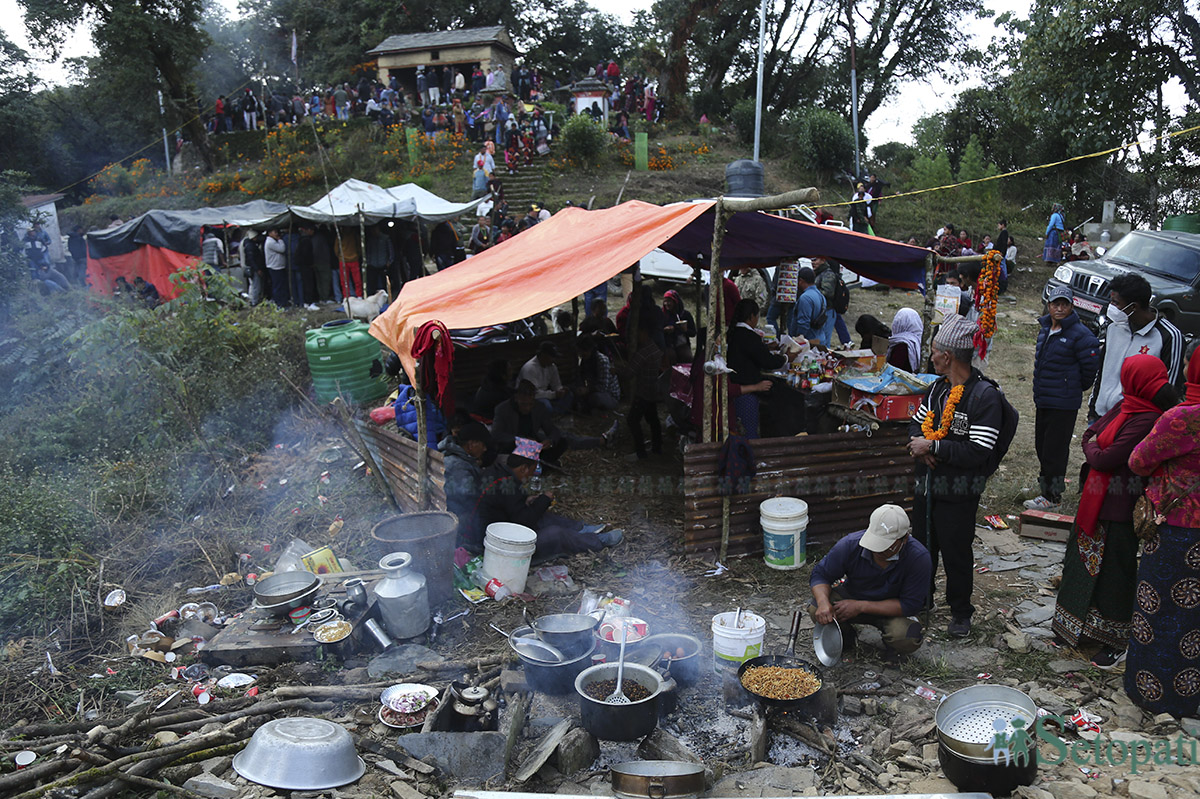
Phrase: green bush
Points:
(584, 140)
(742, 117)
(822, 141)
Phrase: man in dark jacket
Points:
(464, 454)
(524, 417)
(503, 499)
(1064, 366)
(952, 462)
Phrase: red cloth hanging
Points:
(436, 359)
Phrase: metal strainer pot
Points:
(969, 720)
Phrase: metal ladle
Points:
(617, 697)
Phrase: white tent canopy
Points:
(356, 201)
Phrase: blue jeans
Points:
(591, 295)
(839, 326)
(778, 314)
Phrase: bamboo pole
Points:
(930, 296)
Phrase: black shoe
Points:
(959, 627)
(1108, 658)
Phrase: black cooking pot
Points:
(970, 774)
(619, 722)
(805, 704)
(551, 678)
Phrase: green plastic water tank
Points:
(342, 355)
(1184, 223)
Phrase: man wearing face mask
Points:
(887, 575)
(1134, 328)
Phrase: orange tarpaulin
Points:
(153, 264)
(576, 250)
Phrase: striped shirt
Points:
(963, 454)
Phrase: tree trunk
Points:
(182, 96)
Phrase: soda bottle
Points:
(490, 585)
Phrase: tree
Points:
(571, 38)
(145, 35)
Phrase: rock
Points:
(882, 742)
(576, 751)
(897, 749)
(217, 765)
(1017, 642)
(1189, 784)
(569, 788)
(468, 756)
(929, 753)
(853, 784)
(177, 775)
(165, 737)
(356, 676)
(391, 768)
(212, 787)
(912, 763)
(512, 681)
(402, 790)
(1048, 700)
(662, 745)
(965, 657)
(1065, 666)
(1071, 790)
(1144, 789)
(401, 660)
(1191, 727)
(128, 697)
(870, 706)
(768, 781)
(1039, 615)
(852, 705)
(1164, 720)
(931, 785)
(1128, 716)
(211, 727)
(1030, 792)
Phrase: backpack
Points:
(1009, 418)
(841, 295)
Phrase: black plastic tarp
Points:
(177, 230)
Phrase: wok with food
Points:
(782, 681)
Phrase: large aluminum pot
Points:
(970, 719)
(570, 633)
(657, 779)
(284, 586)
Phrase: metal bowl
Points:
(282, 608)
(300, 754)
(569, 633)
(284, 586)
(551, 677)
(827, 643)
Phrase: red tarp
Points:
(153, 264)
(576, 250)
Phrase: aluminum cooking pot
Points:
(970, 719)
(657, 779)
(570, 633)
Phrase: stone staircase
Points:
(524, 188)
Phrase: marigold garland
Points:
(985, 300)
(943, 430)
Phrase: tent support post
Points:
(930, 296)
(362, 251)
(422, 437)
(290, 256)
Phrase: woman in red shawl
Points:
(1162, 674)
(1096, 597)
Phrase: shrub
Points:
(584, 140)
(822, 140)
(742, 117)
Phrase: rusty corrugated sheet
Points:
(842, 477)
(397, 457)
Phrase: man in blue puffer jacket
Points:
(1064, 366)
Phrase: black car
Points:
(1170, 262)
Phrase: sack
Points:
(1009, 419)
(1145, 519)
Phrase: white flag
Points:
(293, 46)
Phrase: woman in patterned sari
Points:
(1163, 671)
(1095, 599)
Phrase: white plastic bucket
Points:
(733, 646)
(507, 552)
(785, 532)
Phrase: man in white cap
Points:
(953, 449)
(887, 575)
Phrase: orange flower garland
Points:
(985, 299)
(943, 430)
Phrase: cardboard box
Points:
(1046, 526)
(885, 407)
(861, 360)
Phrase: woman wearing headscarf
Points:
(679, 327)
(904, 344)
(1052, 254)
(1162, 674)
(1095, 598)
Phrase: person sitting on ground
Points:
(597, 323)
(904, 345)
(146, 292)
(524, 417)
(887, 575)
(1081, 248)
(598, 387)
(504, 499)
(542, 372)
(494, 390)
(870, 329)
(465, 454)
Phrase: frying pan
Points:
(787, 661)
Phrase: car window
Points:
(1158, 255)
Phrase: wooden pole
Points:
(772, 203)
(930, 296)
(715, 297)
